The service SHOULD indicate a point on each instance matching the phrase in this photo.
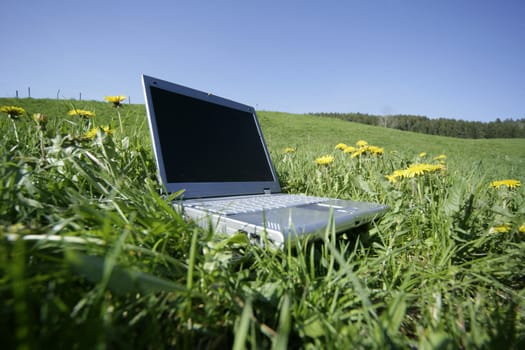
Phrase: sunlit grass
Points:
(93, 255)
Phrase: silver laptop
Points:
(213, 150)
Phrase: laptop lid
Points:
(206, 145)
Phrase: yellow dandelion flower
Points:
(501, 228)
(358, 152)
(400, 173)
(392, 178)
(107, 130)
(420, 169)
(40, 118)
(12, 112)
(397, 174)
(366, 150)
(509, 183)
(325, 160)
(82, 113)
(441, 157)
(376, 150)
(116, 100)
(341, 146)
(361, 143)
(91, 134)
(289, 150)
(415, 170)
(521, 229)
(422, 154)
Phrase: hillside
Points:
(315, 133)
(494, 155)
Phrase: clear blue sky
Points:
(442, 58)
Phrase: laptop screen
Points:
(207, 142)
(204, 139)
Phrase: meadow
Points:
(92, 255)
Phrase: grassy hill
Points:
(91, 255)
(500, 157)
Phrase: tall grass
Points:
(92, 255)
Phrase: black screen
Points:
(203, 141)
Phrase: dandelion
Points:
(509, 183)
(341, 146)
(92, 133)
(368, 149)
(376, 150)
(82, 113)
(12, 112)
(420, 169)
(422, 154)
(359, 152)
(40, 120)
(392, 178)
(501, 228)
(521, 229)
(349, 149)
(441, 158)
(396, 175)
(289, 150)
(361, 143)
(325, 160)
(116, 100)
(107, 130)
(415, 170)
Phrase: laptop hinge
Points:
(267, 191)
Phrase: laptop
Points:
(212, 151)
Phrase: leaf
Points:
(364, 185)
(241, 331)
(281, 340)
(313, 328)
(396, 313)
(435, 341)
(121, 280)
(453, 201)
(238, 238)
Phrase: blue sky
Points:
(447, 58)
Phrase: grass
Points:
(93, 256)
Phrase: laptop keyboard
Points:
(253, 204)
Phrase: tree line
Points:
(507, 128)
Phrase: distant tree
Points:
(445, 127)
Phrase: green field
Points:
(92, 256)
